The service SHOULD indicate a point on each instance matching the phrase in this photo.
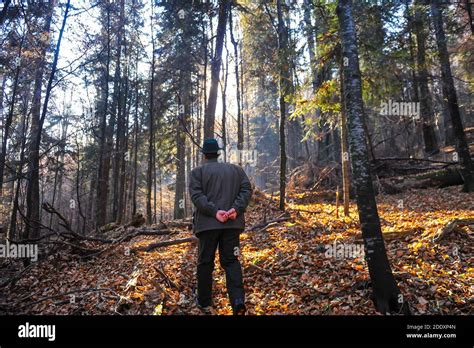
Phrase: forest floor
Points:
(286, 269)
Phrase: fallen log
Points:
(178, 223)
(107, 228)
(264, 224)
(152, 246)
(438, 179)
(73, 240)
(455, 225)
(75, 248)
(414, 160)
(69, 235)
(442, 178)
(391, 235)
(143, 232)
(400, 234)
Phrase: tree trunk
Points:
(184, 112)
(32, 212)
(462, 147)
(309, 32)
(469, 14)
(203, 113)
(344, 148)
(78, 192)
(135, 145)
(12, 231)
(243, 98)
(386, 295)
(4, 132)
(151, 137)
(33, 200)
(123, 158)
(225, 69)
(59, 170)
(240, 121)
(118, 115)
(104, 151)
(284, 92)
(210, 116)
(318, 76)
(3, 14)
(426, 107)
(294, 134)
(181, 154)
(412, 145)
(9, 118)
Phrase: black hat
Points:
(210, 146)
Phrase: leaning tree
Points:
(386, 295)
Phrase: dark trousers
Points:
(228, 242)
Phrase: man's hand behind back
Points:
(232, 214)
(222, 215)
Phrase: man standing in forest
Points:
(220, 192)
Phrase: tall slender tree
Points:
(102, 109)
(285, 90)
(240, 121)
(209, 119)
(386, 295)
(426, 108)
(9, 117)
(118, 114)
(33, 196)
(449, 91)
(151, 126)
(345, 161)
(33, 213)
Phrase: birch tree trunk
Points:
(184, 112)
(344, 148)
(386, 295)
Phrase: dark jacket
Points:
(217, 186)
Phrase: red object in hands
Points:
(221, 216)
(232, 214)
